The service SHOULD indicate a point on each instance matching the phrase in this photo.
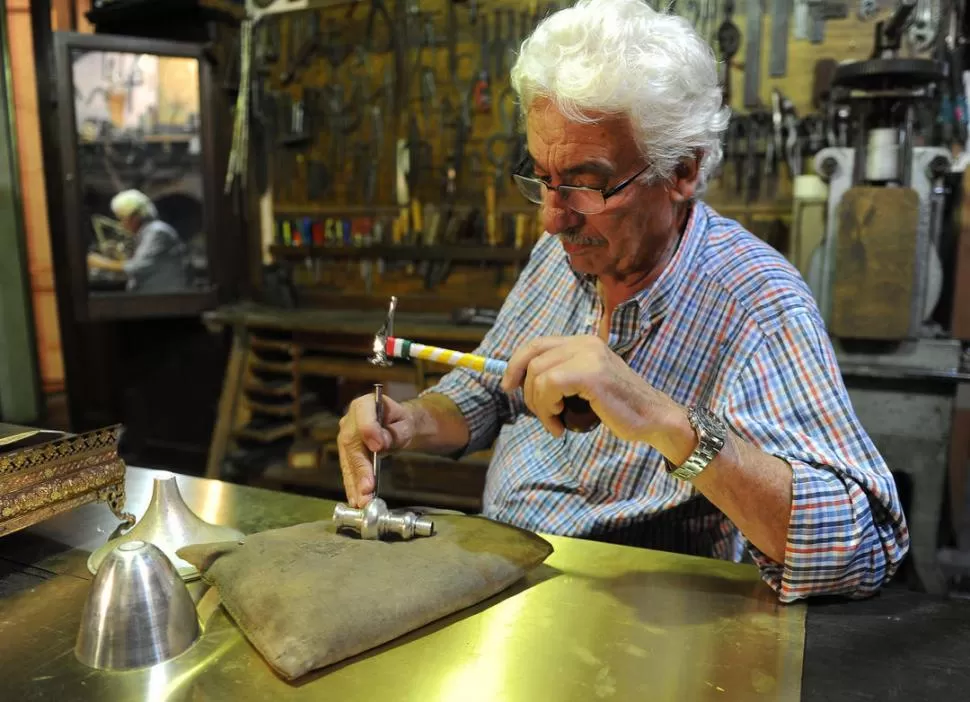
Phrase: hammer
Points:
(577, 415)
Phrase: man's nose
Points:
(556, 215)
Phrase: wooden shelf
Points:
(278, 389)
(281, 410)
(267, 435)
(279, 431)
(271, 344)
(438, 252)
(271, 366)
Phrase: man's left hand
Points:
(552, 368)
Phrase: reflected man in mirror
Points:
(158, 263)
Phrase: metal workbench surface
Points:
(595, 621)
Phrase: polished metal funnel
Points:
(138, 612)
(169, 524)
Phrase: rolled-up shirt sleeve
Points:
(846, 533)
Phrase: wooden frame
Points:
(90, 306)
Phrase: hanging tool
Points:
(728, 43)
(301, 53)
(752, 56)
(505, 148)
(778, 56)
(482, 93)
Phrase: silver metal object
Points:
(169, 524)
(375, 521)
(379, 409)
(711, 434)
(380, 357)
(138, 612)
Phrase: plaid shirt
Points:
(729, 325)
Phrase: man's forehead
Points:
(597, 147)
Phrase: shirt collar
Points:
(654, 301)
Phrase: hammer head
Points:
(380, 357)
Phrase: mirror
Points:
(139, 165)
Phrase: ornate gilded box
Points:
(44, 473)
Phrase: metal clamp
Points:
(376, 522)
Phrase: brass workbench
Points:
(596, 621)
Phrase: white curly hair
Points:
(133, 202)
(620, 57)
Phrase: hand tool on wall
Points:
(482, 93)
(793, 141)
(728, 43)
(497, 50)
(267, 51)
(451, 40)
(505, 148)
(752, 55)
(381, 37)
(778, 56)
(301, 51)
(376, 152)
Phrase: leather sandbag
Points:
(307, 596)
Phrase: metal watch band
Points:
(711, 434)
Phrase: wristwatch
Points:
(711, 434)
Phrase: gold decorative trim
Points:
(39, 482)
(51, 454)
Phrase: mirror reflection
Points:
(139, 162)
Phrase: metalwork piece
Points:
(169, 524)
(375, 521)
(41, 481)
(599, 620)
(138, 613)
(380, 357)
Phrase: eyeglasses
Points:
(577, 197)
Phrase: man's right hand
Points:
(361, 436)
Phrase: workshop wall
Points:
(354, 226)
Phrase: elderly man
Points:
(700, 348)
(158, 264)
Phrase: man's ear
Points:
(685, 180)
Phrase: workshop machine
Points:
(878, 274)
